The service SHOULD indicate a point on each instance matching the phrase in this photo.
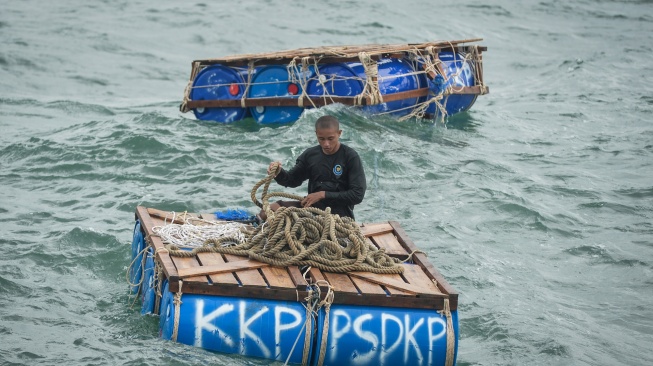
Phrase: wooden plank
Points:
(306, 101)
(277, 277)
(342, 51)
(435, 302)
(297, 278)
(341, 282)
(230, 267)
(248, 277)
(475, 90)
(316, 274)
(376, 229)
(421, 260)
(208, 216)
(167, 216)
(387, 280)
(189, 264)
(410, 302)
(389, 242)
(215, 259)
(416, 277)
(367, 288)
(155, 241)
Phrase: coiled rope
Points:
(294, 236)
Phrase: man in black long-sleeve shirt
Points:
(334, 171)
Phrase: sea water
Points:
(537, 204)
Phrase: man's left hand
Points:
(309, 200)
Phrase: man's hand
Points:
(309, 200)
(273, 167)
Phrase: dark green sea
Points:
(537, 204)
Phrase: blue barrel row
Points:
(219, 82)
(274, 329)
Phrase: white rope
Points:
(195, 232)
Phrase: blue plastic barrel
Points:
(367, 335)
(138, 243)
(218, 82)
(337, 79)
(395, 75)
(274, 81)
(459, 73)
(149, 285)
(249, 327)
(165, 307)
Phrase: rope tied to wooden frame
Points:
(313, 306)
(451, 336)
(250, 72)
(302, 237)
(177, 302)
(184, 103)
(371, 87)
(476, 56)
(301, 77)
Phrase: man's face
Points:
(328, 138)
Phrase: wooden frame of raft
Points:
(420, 286)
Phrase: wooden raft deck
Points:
(420, 286)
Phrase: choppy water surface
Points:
(537, 205)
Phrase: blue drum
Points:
(274, 81)
(338, 79)
(385, 336)
(148, 288)
(249, 327)
(459, 73)
(218, 82)
(136, 269)
(395, 75)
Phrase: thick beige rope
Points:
(371, 87)
(177, 302)
(302, 237)
(451, 337)
(328, 300)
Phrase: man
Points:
(334, 171)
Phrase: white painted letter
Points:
(368, 336)
(410, 339)
(278, 327)
(432, 337)
(245, 332)
(337, 333)
(389, 349)
(203, 322)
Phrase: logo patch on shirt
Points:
(337, 170)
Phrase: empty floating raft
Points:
(425, 80)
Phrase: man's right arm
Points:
(295, 176)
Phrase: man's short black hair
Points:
(326, 122)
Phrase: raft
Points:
(232, 304)
(422, 80)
